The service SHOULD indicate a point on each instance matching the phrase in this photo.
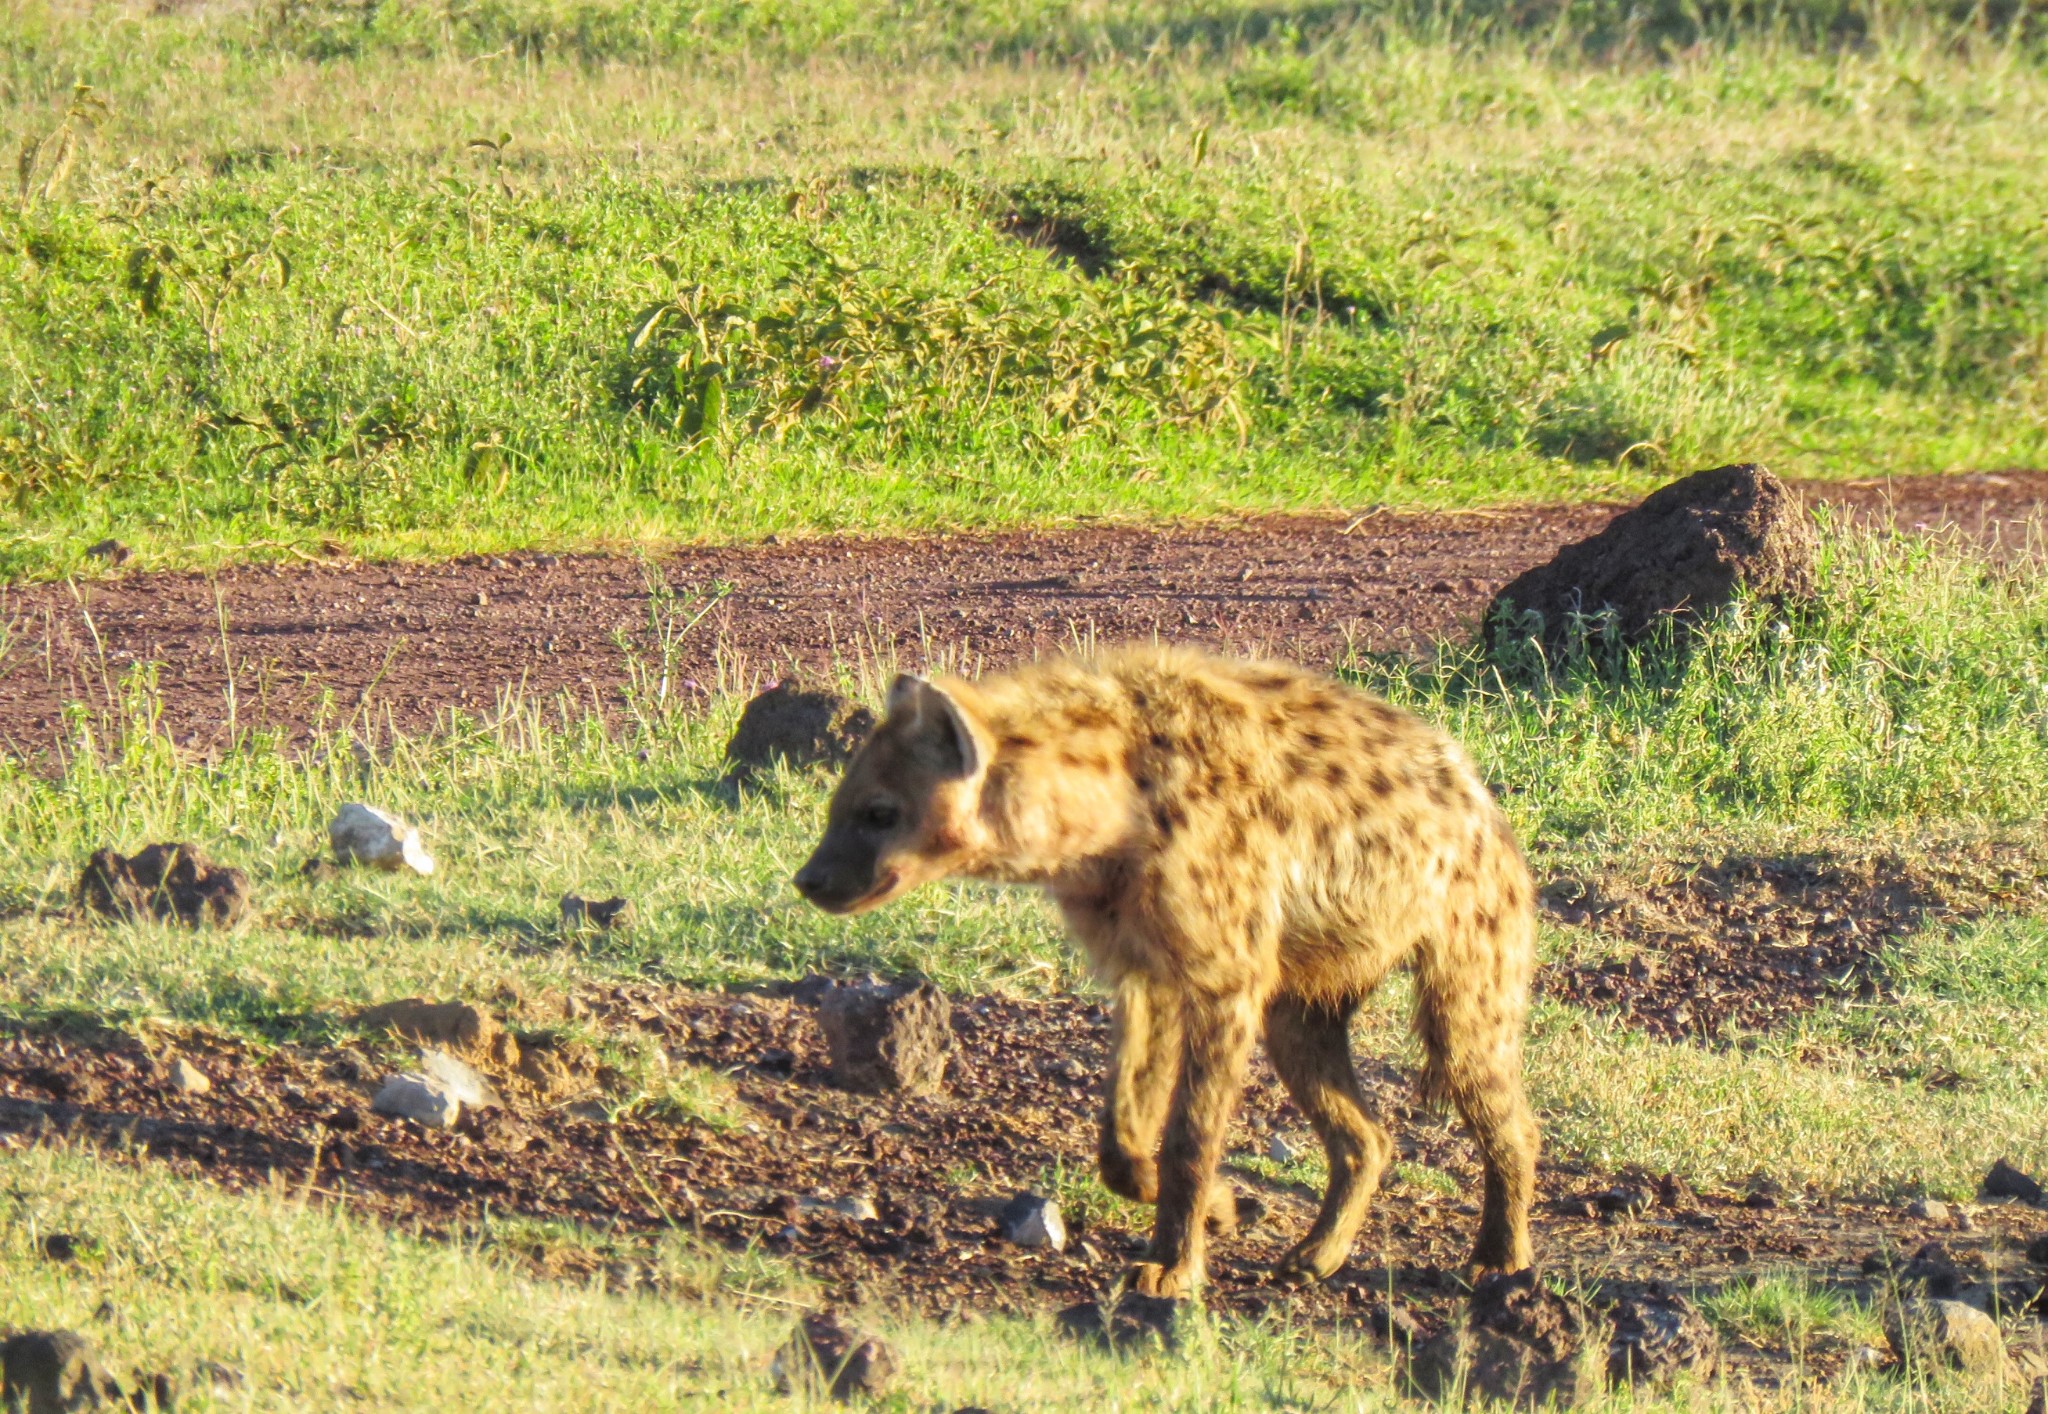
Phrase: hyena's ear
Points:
(939, 731)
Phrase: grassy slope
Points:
(1343, 259)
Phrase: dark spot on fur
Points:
(1376, 782)
(1017, 741)
(1161, 742)
(1315, 741)
(1337, 775)
(1168, 818)
(1144, 784)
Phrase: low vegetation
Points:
(417, 280)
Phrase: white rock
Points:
(363, 834)
(416, 1097)
(459, 1080)
(1032, 1221)
(1928, 1210)
(1280, 1151)
(188, 1079)
(859, 1207)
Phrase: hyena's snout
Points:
(837, 877)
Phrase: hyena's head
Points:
(906, 810)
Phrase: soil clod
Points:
(824, 1352)
(53, 1372)
(1657, 1334)
(110, 550)
(1132, 1319)
(606, 915)
(1682, 554)
(1926, 1332)
(1519, 1343)
(2005, 1181)
(798, 726)
(883, 1037)
(164, 881)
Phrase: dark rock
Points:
(1674, 1192)
(2037, 1251)
(797, 725)
(1624, 1200)
(110, 550)
(1519, 1342)
(2005, 1181)
(1658, 1333)
(1030, 1220)
(884, 1038)
(53, 1372)
(604, 914)
(1934, 1272)
(70, 1087)
(1133, 1319)
(163, 1388)
(1683, 553)
(165, 881)
(826, 1353)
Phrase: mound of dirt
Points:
(164, 881)
(798, 725)
(1683, 553)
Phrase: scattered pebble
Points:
(1931, 1210)
(365, 834)
(188, 1079)
(417, 1098)
(859, 1207)
(824, 1352)
(1029, 1220)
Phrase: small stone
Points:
(110, 550)
(1135, 1318)
(462, 1083)
(365, 834)
(1029, 1220)
(188, 1079)
(826, 1353)
(2037, 1251)
(417, 1098)
(1280, 1151)
(605, 914)
(884, 1038)
(2005, 1181)
(49, 1372)
(1931, 1210)
(1932, 1331)
(1624, 1200)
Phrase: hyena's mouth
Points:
(881, 893)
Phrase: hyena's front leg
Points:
(1217, 1034)
(1144, 1061)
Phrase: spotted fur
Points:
(1242, 849)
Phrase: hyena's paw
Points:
(1221, 1215)
(1166, 1283)
(1309, 1261)
(1132, 1176)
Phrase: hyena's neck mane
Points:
(1057, 793)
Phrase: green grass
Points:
(389, 275)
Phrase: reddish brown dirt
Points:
(400, 645)
(1018, 1105)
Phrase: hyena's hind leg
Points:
(1310, 1047)
(1471, 1001)
(1144, 1067)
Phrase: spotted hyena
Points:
(1239, 847)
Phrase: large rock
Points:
(364, 834)
(884, 1038)
(2005, 1181)
(418, 1098)
(826, 1353)
(798, 725)
(1519, 1343)
(53, 1372)
(1934, 1333)
(165, 881)
(1681, 554)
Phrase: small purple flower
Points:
(826, 363)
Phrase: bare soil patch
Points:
(1018, 1106)
(398, 645)
(1709, 950)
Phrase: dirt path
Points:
(398, 645)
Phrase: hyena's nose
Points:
(809, 880)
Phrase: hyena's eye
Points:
(880, 815)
